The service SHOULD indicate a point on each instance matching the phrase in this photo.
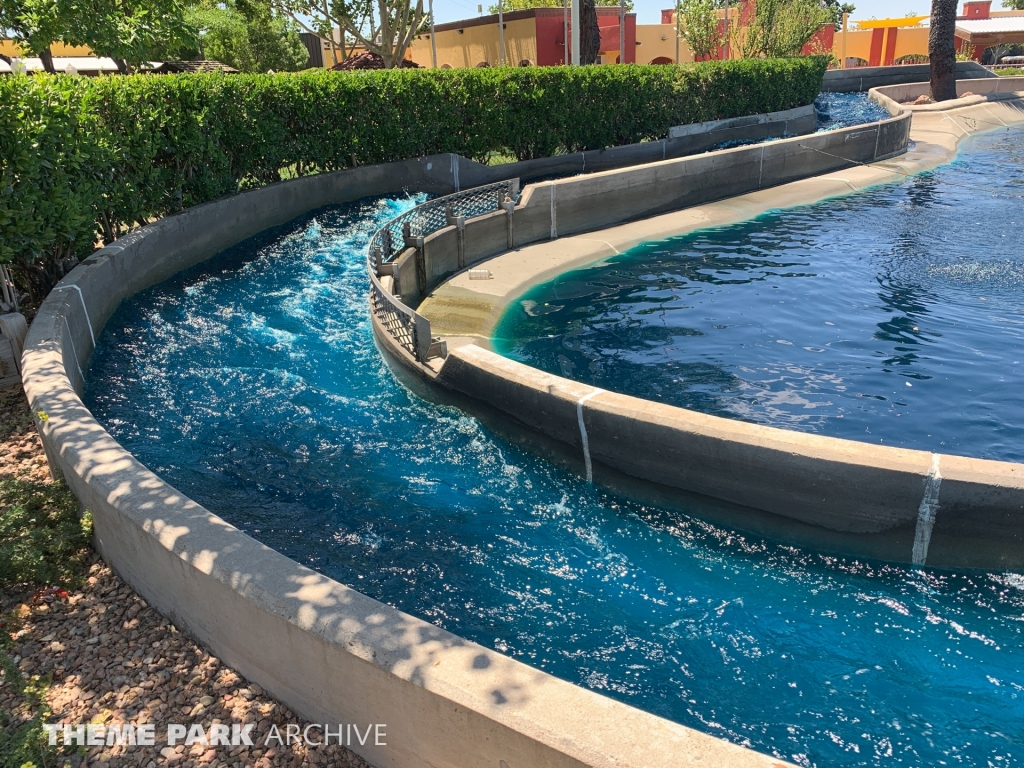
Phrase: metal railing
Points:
(405, 325)
(435, 214)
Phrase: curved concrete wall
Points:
(862, 499)
(555, 209)
(328, 652)
(982, 90)
(866, 78)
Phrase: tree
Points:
(523, 5)
(780, 28)
(125, 30)
(384, 27)
(590, 32)
(1017, 5)
(35, 25)
(837, 9)
(942, 49)
(246, 34)
(128, 31)
(699, 27)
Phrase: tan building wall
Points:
(10, 48)
(909, 40)
(475, 44)
(658, 41)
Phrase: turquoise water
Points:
(894, 316)
(841, 110)
(252, 384)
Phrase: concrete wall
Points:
(586, 203)
(841, 485)
(994, 88)
(688, 140)
(328, 652)
(866, 78)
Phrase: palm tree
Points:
(590, 32)
(942, 49)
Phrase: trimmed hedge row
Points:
(81, 158)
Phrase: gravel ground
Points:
(113, 659)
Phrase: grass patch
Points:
(43, 542)
(23, 742)
(1015, 72)
(42, 539)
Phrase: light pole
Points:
(565, 30)
(846, 22)
(433, 37)
(622, 31)
(576, 33)
(501, 35)
(726, 30)
(677, 32)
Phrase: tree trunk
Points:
(122, 66)
(46, 57)
(942, 49)
(590, 32)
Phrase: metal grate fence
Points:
(433, 215)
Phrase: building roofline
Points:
(529, 13)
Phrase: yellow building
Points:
(10, 49)
(882, 42)
(536, 36)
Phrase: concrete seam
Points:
(554, 220)
(760, 172)
(878, 136)
(997, 117)
(74, 351)
(959, 128)
(664, 144)
(455, 170)
(88, 322)
(584, 156)
(583, 433)
(926, 513)
(593, 240)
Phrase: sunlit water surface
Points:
(252, 384)
(893, 316)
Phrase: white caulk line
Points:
(959, 127)
(455, 170)
(997, 117)
(84, 309)
(592, 240)
(554, 221)
(583, 433)
(74, 351)
(926, 513)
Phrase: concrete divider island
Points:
(335, 655)
(828, 493)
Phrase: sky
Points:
(649, 11)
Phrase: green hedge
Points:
(87, 158)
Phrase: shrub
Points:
(43, 541)
(86, 158)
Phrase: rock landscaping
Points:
(95, 652)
